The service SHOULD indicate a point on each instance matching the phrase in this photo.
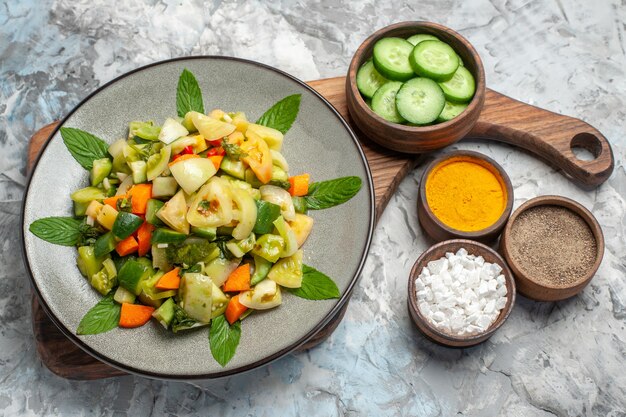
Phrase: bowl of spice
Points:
(464, 195)
(460, 292)
(554, 247)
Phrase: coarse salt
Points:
(461, 294)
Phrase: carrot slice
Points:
(169, 281)
(144, 235)
(134, 315)
(183, 158)
(234, 309)
(217, 160)
(239, 279)
(112, 201)
(127, 246)
(140, 194)
(299, 185)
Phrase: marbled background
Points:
(563, 359)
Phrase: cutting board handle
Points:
(549, 135)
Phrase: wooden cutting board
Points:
(548, 135)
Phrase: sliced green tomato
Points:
(269, 247)
(288, 271)
(159, 258)
(102, 282)
(88, 194)
(272, 137)
(195, 296)
(117, 147)
(368, 80)
(261, 268)
(145, 130)
(209, 127)
(220, 268)
(104, 244)
(122, 295)
(165, 313)
(126, 224)
(266, 214)
(163, 187)
(212, 206)
(139, 171)
(450, 111)
(173, 213)
(281, 198)
(171, 130)
(125, 186)
(100, 170)
(279, 160)
(220, 302)
(120, 164)
(87, 262)
(460, 88)
(384, 102)
(133, 152)
(181, 143)
(240, 247)
(291, 243)
(434, 59)
(258, 156)
(157, 163)
(265, 295)
(391, 58)
(235, 168)
(192, 173)
(244, 213)
(301, 226)
(415, 39)
(188, 123)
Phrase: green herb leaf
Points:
(282, 114)
(224, 339)
(331, 193)
(102, 317)
(315, 285)
(181, 321)
(84, 146)
(64, 231)
(233, 150)
(188, 94)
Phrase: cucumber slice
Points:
(391, 58)
(100, 170)
(434, 59)
(368, 80)
(126, 224)
(420, 100)
(384, 102)
(157, 163)
(460, 88)
(152, 208)
(420, 37)
(450, 111)
(163, 235)
(104, 244)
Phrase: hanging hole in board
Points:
(586, 146)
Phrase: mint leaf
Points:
(331, 193)
(315, 285)
(64, 231)
(84, 146)
(224, 339)
(188, 94)
(102, 317)
(282, 114)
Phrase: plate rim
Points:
(235, 371)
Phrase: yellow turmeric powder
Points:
(465, 193)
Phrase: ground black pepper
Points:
(552, 245)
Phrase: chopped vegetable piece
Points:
(239, 279)
(122, 295)
(131, 274)
(234, 310)
(104, 244)
(102, 282)
(100, 170)
(192, 173)
(182, 158)
(258, 156)
(169, 281)
(157, 163)
(171, 131)
(125, 224)
(211, 128)
(173, 213)
(196, 296)
(163, 235)
(88, 194)
(209, 233)
(87, 262)
(165, 313)
(164, 187)
(280, 197)
(265, 295)
(212, 206)
(127, 246)
(217, 160)
(112, 201)
(301, 226)
(288, 235)
(107, 217)
(299, 185)
(135, 315)
(220, 268)
(144, 238)
(152, 208)
(287, 272)
(93, 209)
(261, 268)
(140, 194)
(269, 247)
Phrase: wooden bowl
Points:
(439, 231)
(539, 291)
(437, 251)
(412, 139)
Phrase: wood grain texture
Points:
(438, 251)
(66, 359)
(411, 139)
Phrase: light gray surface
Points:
(564, 359)
(150, 94)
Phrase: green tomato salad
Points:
(195, 222)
